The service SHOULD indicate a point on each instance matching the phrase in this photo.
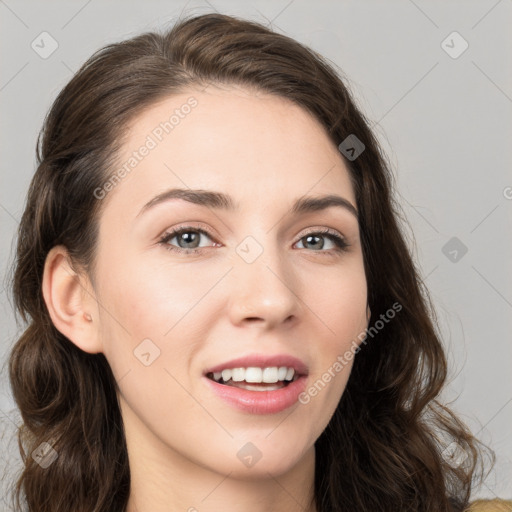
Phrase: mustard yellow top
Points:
(490, 506)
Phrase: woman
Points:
(193, 343)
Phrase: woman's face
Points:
(263, 285)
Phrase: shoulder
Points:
(490, 506)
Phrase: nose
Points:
(264, 291)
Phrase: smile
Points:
(254, 378)
(258, 383)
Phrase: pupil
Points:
(189, 235)
(310, 237)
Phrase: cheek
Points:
(341, 305)
(342, 311)
(149, 302)
(159, 313)
(146, 337)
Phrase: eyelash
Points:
(340, 242)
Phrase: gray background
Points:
(444, 122)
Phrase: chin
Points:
(261, 470)
(257, 458)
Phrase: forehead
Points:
(246, 143)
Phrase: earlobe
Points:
(70, 300)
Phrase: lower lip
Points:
(260, 402)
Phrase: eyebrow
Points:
(221, 201)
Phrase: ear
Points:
(368, 313)
(71, 301)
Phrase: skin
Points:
(202, 309)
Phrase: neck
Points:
(161, 479)
(205, 491)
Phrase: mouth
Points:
(259, 383)
(253, 378)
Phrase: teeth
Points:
(253, 375)
(238, 374)
(269, 375)
(226, 375)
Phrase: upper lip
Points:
(262, 361)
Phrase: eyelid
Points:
(191, 226)
(323, 230)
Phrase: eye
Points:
(189, 236)
(315, 238)
(188, 240)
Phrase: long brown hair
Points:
(384, 448)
